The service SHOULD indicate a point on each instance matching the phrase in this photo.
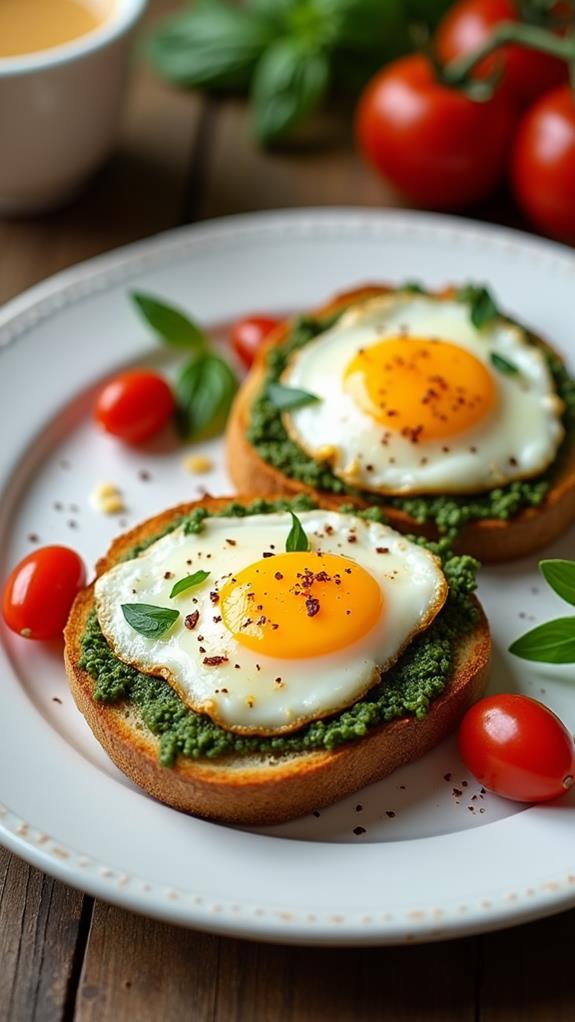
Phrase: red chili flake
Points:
(312, 606)
(278, 575)
(191, 620)
(359, 830)
(215, 661)
(391, 413)
(232, 542)
(215, 597)
(382, 549)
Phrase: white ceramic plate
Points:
(434, 856)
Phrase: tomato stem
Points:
(533, 37)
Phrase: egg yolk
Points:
(423, 389)
(300, 604)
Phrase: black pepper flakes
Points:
(214, 661)
(359, 830)
(312, 606)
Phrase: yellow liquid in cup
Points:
(27, 26)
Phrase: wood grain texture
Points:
(40, 937)
(145, 971)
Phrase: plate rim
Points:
(96, 275)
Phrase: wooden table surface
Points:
(65, 956)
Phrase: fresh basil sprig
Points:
(503, 365)
(149, 620)
(284, 54)
(297, 538)
(205, 390)
(172, 325)
(188, 582)
(286, 398)
(554, 641)
(482, 306)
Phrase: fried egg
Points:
(271, 640)
(413, 398)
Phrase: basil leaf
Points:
(173, 326)
(550, 643)
(149, 620)
(367, 26)
(297, 538)
(204, 392)
(188, 581)
(215, 46)
(560, 575)
(289, 83)
(285, 398)
(482, 307)
(503, 365)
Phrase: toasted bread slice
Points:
(490, 540)
(261, 789)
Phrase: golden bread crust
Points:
(491, 540)
(256, 790)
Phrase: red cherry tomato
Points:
(438, 146)
(41, 590)
(134, 405)
(247, 336)
(518, 748)
(543, 164)
(528, 73)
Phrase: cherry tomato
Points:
(438, 146)
(247, 336)
(543, 164)
(134, 405)
(41, 590)
(528, 73)
(518, 748)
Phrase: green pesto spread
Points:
(269, 438)
(419, 676)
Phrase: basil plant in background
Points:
(286, 55)
(554, 641)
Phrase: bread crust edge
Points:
(259, 791)
(492, 540)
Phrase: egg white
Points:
(517, 440)
(266, 695)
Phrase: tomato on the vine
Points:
(543, 164)
(437, 145)
(41, 590)
(134, 405)
(518, 748)
(527, 73)
(247, 336)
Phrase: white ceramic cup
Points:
(59, 112)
